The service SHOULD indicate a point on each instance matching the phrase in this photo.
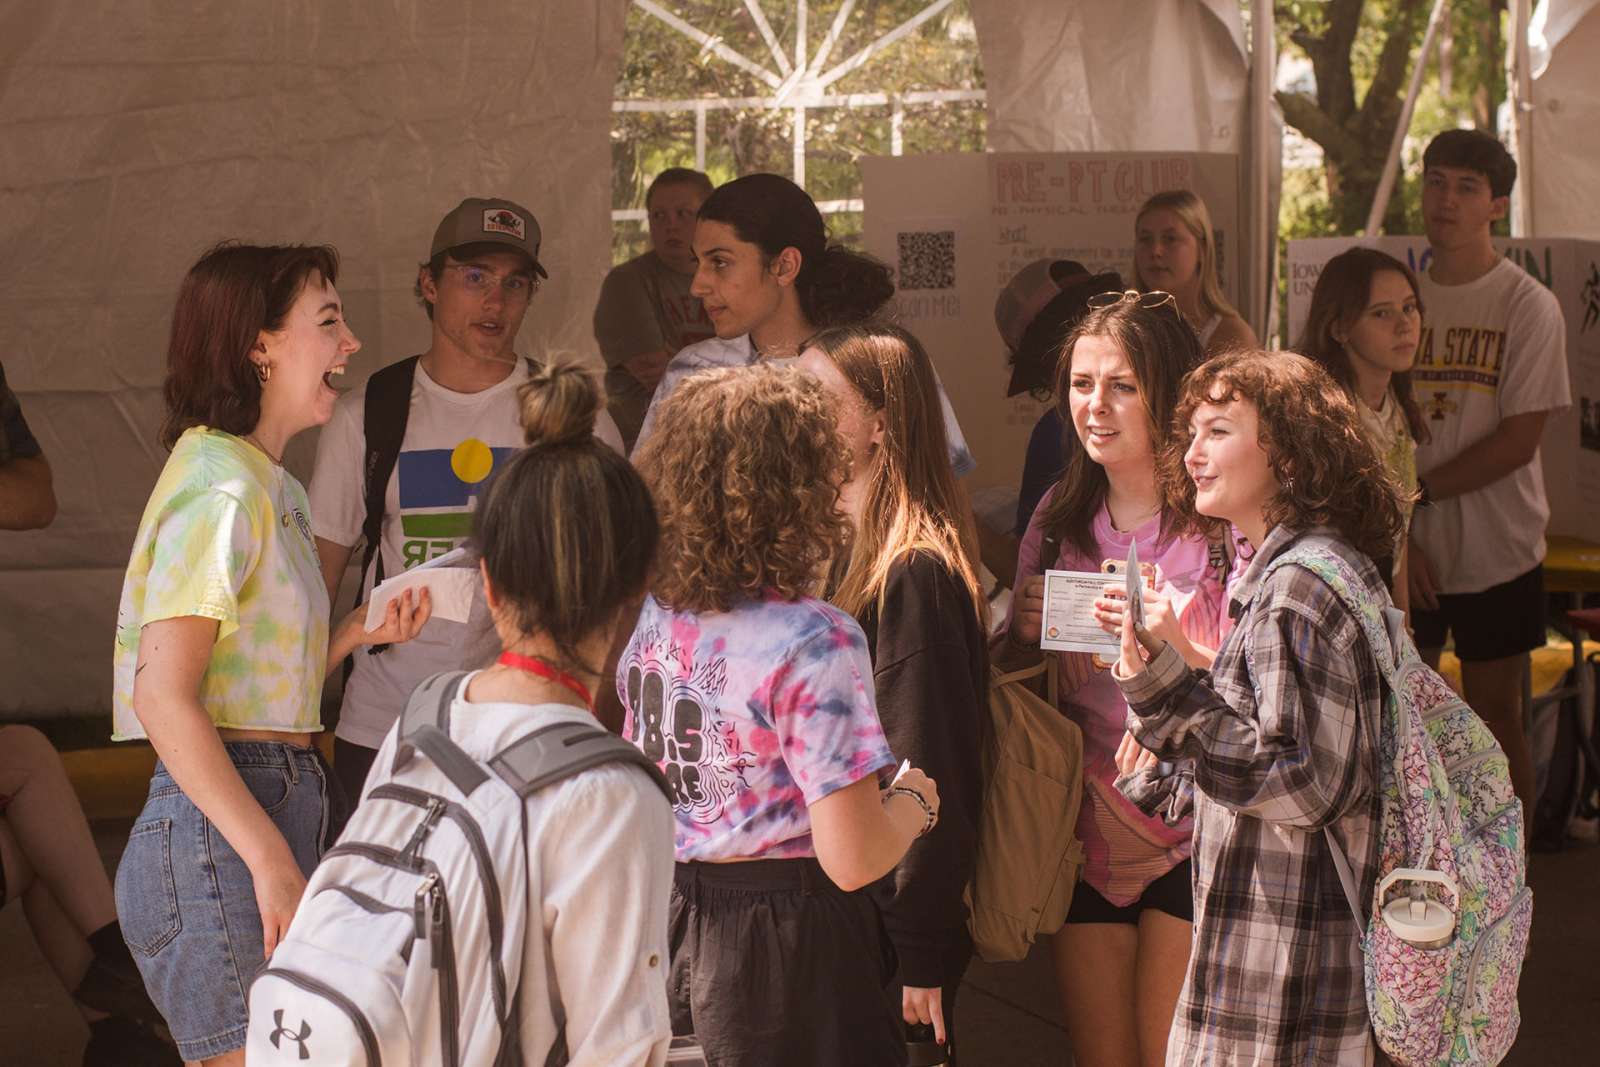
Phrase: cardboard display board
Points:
(1571, 270)
(956, 228)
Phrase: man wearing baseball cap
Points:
(400, 465)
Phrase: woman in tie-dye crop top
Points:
(756, 700)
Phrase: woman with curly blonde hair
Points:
(1283, 731)
(756, 700)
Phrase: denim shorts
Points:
(186, 900)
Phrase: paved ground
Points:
(1009, 1013)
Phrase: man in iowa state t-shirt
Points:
(463, 422)
(1491, 366)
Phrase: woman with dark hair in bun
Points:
(770, 280)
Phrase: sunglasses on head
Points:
(1153, 299)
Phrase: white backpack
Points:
(407, 946)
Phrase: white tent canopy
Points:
(1564, 175)
(131, 139)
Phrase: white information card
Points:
(1069, 624)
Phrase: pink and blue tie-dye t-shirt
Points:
(752, 714)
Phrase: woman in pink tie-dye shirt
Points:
(756, 700)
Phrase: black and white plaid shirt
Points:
(1283, 742)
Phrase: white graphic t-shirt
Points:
(1491, 348)
(739, 352)
(453, 442)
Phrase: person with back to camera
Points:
(222, 640)
(565, 538)
(449, 419)
(755, 698)
(1120, 956)
(1175, 250)
(1283, 730)
(1491, 369)
(769, 280)
(1362, 328)
(907, 579)
(646, 312)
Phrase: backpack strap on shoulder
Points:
(429, 706)
(556, 752)
(383, 427)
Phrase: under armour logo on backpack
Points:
(284, 1031)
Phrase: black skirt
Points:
(774, 966)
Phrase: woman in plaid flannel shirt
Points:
(1281, 733)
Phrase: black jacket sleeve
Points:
(931, 677)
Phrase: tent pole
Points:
(1519, 88)
(1263, 248)
(1391, 166)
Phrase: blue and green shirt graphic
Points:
(439, 488)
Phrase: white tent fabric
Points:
(1081, 77)
(1564, 41)
(131, 138)
(1152, 75)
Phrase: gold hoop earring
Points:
(264, 372)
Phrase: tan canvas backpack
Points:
(1029, 857)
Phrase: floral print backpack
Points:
(1451, 829)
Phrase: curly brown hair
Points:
(1327, 470)
(745, 464)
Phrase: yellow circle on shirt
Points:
(472, 461)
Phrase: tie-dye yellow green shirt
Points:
(227, 536)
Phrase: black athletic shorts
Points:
(775, 966)
(1172, 893)
(1504, 620)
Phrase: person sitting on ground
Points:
(565, 536)
(49, 862)
(1363, 327)
(907, 579)
(1283, 730)
(1175, 251)
(646, 312)
(756, 700)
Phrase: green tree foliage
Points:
(1365, 51)
(1361, 49)
(660, 63)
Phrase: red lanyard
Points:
(544, 670)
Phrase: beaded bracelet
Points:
(927, 809)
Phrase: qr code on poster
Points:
(928, 260)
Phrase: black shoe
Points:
(106, 988)
(118, 1042)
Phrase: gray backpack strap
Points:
(429, 706)
(556, 752)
